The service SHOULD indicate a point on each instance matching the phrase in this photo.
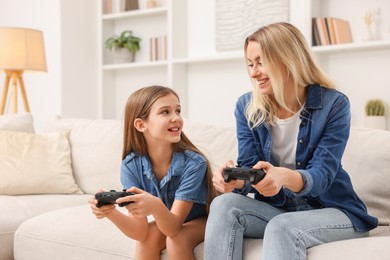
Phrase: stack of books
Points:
(158, 48)
(118, 6)
(329, 30)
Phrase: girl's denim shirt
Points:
(185, 180)
(322, 138)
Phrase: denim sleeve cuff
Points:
(245, 190)
(307, 185)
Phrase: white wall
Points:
(69, 29)
(43, 89)
(70, 87)
(79, 58)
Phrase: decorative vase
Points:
(122, 55)
(368, 35)
(376, 122)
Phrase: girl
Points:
(295, 126)
(170, 177)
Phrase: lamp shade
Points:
(22, 49)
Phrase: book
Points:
(322, 31)
(107, 6)
(316, 41)
(342, 31)
(329, 25)
(158, 48)
(131, 5)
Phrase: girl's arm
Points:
(133, 227)
(136, 228)
(171, 222)
(144, 204)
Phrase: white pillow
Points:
(367, 161)
(96, 149)
(219, 144)
(35, 164)
(17, 122)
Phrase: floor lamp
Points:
(21, 50)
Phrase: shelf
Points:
(134, 65)
(228, 56)
(144, 13)
(349, 47)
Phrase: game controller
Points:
(110, 197)
(247, 174)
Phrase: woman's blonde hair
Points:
(139, 105)
(283, 47)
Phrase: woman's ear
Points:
(139, 125)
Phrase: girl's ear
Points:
(139, 125)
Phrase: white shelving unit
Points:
(209, 82)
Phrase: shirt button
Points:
(300, 141)
(299, 163)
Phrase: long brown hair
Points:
(282, 45)
(138, 106)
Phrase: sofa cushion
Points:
(96, 151)
(17, 122)
(81, 234)
(35, 164)
(367, 160)
(74, 231)
(219, 144)
(16, 209)
(357, 249)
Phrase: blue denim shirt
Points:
(322, 138)
(185, 180)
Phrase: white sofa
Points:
(61, 226)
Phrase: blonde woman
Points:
(170, 177)
(294, 125)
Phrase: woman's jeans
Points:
(286, 235)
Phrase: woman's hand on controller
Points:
(220, 184)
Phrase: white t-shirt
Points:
(284, 140)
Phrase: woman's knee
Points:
(283, 226)
(224, 203)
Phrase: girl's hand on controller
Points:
(100, 212)
(143, 203)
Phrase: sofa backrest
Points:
(367, 161)
(96, 150)
(219, 144)
(96, 147)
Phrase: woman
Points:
(294, 125)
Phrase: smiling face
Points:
(256, 68)
(164, 123)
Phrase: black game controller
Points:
(247, 174)
(110, 197)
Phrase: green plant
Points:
(375, 107)
(125, 40)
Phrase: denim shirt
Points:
(322, 138)
(185, 180)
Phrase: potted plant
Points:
(125, 46)
(375, 114)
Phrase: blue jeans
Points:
(286, 235)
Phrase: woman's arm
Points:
(328, 141)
